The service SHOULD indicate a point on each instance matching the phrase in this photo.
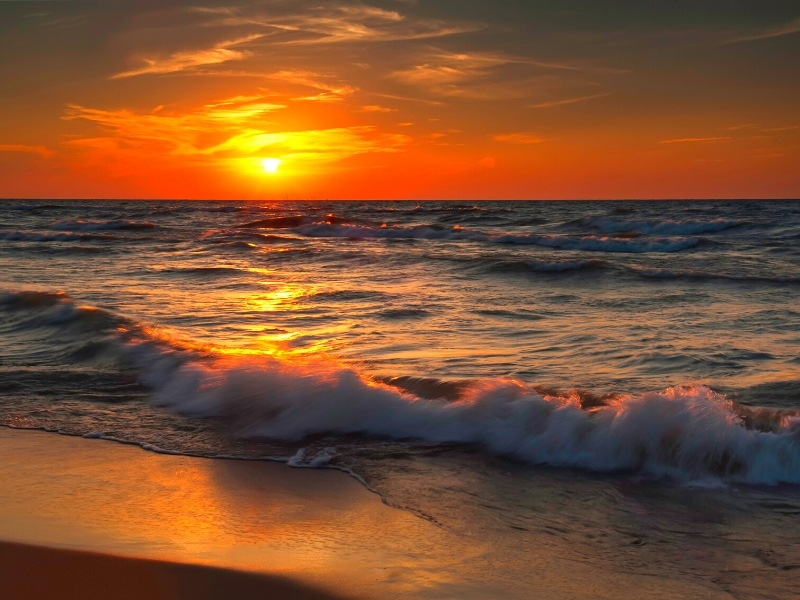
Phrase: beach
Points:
(93, 519)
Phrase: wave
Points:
(428, 232)
(687, 433)
(81, 225)
(21, 236)
(656, 273)
(341, 228)
(294, 221)
(690, 433)
(601, 244)
(203, 271)
(553, 267)
(649, 227)
(223, 236)
(32, 207)
(289, 222)
(559, 266)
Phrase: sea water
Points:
(616, 383)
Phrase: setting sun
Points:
(271, 165)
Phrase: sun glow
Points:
(271, 165)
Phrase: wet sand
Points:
(33, 572)
(90, 518)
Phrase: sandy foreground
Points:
(94, 519)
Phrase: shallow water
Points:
(443, 352)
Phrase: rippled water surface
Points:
(450, 354)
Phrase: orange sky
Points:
(400, 99)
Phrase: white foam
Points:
(689, 433)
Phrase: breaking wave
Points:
(690, 433)
(687, 433)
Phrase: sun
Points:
(271, 164)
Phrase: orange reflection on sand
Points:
(248, 515)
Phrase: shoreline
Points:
(80, 517)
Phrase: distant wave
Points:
(655, 273)
(542, 266)
(279, 222)
(601, 244)
(559, 266)
(294, 221)
(21, 236)
(81, 225)
(204, 271)
(607, 225)
(332, 226)
(428, 232)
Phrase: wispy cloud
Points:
(377, 108)
(739, 127)
(518, 138)
(24, 148)
(695, 139)
(330, 23)
(779, 129)
(481, 75)
(329, 90)
(552, 103)
(192, 59)
(788, 29)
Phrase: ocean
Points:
(613, 383)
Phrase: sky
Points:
(400, 99)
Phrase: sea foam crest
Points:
(689, 433)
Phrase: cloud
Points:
(553, 103)
(221, 131)
(330, 23)
(518, 138)
(377, 108)
(789, 29)
(695, 139)
(40, 150)
(481, 75)
(191, 59)
(318, 145)
(329, 91)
